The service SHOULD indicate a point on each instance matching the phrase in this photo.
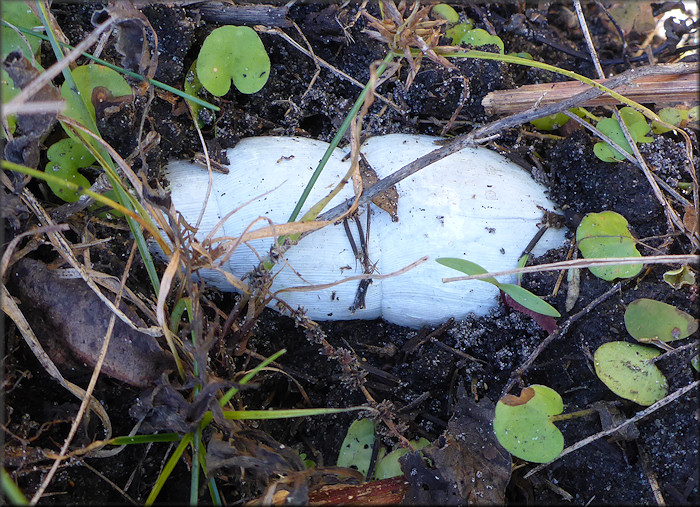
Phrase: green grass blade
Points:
(10, 490)
(245, 415)
(145, 439)
(336, 140)
(168, 468)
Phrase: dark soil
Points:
(39, 412)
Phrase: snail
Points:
(474, 204)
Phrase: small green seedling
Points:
(457, 32)
(677, 278)
(463, 34)
(605, 234)
(233, 53)
(648, 319)
(520, 295)
(388, 466)
(356, 451)
(555, 121)
(87, 78)
(551, 122)
(17, 14)
(678, 116)
(523, 424)
(65, 158)
(627, 371)
(637, 126)
(445, 12)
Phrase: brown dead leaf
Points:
(388, 200)
(71, 322)
(469, 465)
(690, 220)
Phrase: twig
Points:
(484, 133)
(559, 332)
(640, 415)
(584, 263)
(320, 61)
(656, 89)
(671, 215)
(38, 107)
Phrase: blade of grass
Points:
(145, 439)
(94, 148)
(11, 491)
(336, 140)
(168, 468)
(246, 415)
(194, 475)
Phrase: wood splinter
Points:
(658, 89)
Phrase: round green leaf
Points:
(523, 424)
(673, 115)
(65, 158)
(456, 33)
(479, 37)
(445, 12)
(356, 450)
(623, 367)
(389, 466)
(647, 319)
(233, 53)
(551, 122)
(87, 78)
(605, 234)
(637, 126)
(18, 14)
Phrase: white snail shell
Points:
(474, 204)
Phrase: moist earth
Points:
(477, 352)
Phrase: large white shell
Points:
(474, 204)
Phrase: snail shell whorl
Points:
(474, 204)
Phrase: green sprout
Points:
(357, 447)
(677, 278)
(87, 78)
(445, 12)
(648, 319)
(519, 295)
(627, 370)
(233, 53)
(464, 34)
(65, 158)
(678, 116)
(555, 121)
(636, 124)
(605, 234)
(524, 424)
(19, 15)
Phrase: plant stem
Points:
(336, 140)
(573, 415)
